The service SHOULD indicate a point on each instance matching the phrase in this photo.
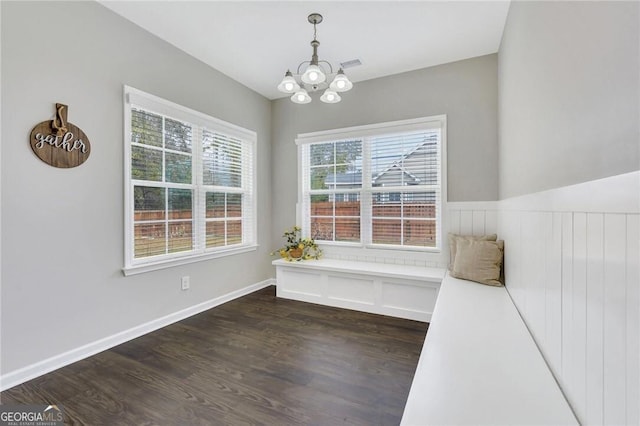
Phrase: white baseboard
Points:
(32, 371)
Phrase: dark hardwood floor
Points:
(255, 360)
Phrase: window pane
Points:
(148, 203)
(348, 171)
(234, 232)
(348, 229)
(215, 204)
(345, 207)
(178, 168)
(322, 178)
(384, 206)
(409, 159)
(180, 236)
(386, 231)
(384, 157)
(321, 206)
(322, 154)
(149, 239)
(177, 135)
(180, 204)
(222, 160)
(420, 233)
(146, 164)
(234, 205)
(215, 234)
(322, 228)
(349, 154)
(146, 128)
(419, 204)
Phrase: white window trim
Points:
(380, 129)
(133, 96)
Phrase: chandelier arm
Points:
(330, 67)
(301, 64)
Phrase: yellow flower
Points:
(300, 246)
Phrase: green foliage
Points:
(307, 246)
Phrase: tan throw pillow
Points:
(453, 242)
(479, 261)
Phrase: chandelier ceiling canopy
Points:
(315, 75)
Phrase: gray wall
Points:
(466, 91)
(568, 90)
(62, 230)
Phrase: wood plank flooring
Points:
(255, 360)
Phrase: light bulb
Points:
(301, 97)
(313, 75)
(288, 84)
(341, 83)
(330, 97)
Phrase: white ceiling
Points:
(255, 42)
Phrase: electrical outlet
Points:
(184, 282)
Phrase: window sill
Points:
(163, 264)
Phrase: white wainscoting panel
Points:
(407, 297)
(388, 289)
(351, 289)
(572, 269)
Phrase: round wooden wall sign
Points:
(60, 143)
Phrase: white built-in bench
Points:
(397, 290)
(480, 366)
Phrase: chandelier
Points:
(316, 75)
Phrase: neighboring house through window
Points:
(379, 185)
(189, 185)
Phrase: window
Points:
(189, 185)
(379, 185)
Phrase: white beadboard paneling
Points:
(553, 292)
(595, 331)
(466, 222)
(454, 221)
(590, 278)
(532, 229)
(568, 368)
(572, 270)
(615, 317)
(491, 222)
(579, 297)
(633, 320)
(510, 232)
(477, 222)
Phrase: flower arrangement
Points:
(298, 248)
